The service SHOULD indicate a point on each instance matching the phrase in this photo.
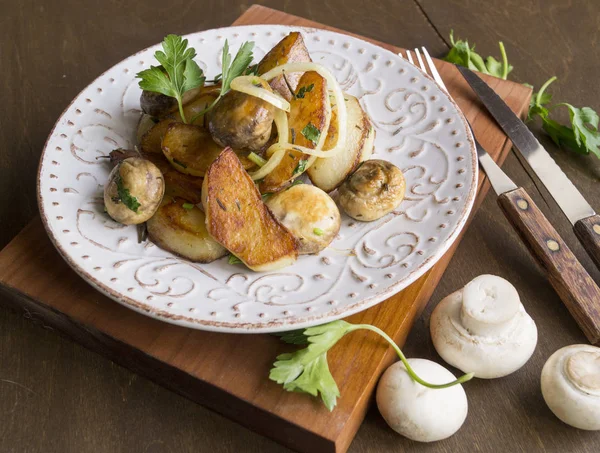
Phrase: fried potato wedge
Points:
(307, 117)
(239, 220)
(151, 140)
(328, 173)
(180, 228)
(177, 184)
(290, 49)
(191, 149)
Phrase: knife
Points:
(568, 277)
(586, 223)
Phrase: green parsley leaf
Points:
(234, 259)
(303, 90)
(188, 206)
(177, 74)
(307, 370)
(293, 337)
(125, 197)
(237, 67)
(318, 231)
(311, 133)
(463, 54)
(301, 167)
(582, 137)
(231, 70)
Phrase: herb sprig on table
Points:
(582, 136)
(307, 370)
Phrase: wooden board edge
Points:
(166, 375)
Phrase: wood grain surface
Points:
(57, 396)
(568, 277)
(588, 232)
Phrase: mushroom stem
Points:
(411, 372)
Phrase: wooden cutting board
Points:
(229, 373)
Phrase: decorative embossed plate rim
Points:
(417, 134)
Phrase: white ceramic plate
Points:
(419, 128)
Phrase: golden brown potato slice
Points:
(239, 220)
(290, 49)
(177, 184)
(151, 140)
(180, 227)
(307, 114)
(191, 149)
(329, 173)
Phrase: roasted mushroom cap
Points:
(309, 214)
(134, 191)
(372, 191)
(241, 121)
(159, 105)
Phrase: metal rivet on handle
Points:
(522, 204)
(596, 228)
(553, 245)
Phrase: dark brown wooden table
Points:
(56, 396)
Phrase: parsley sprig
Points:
(177, 73)
(231, 69)
(582, 136)
(463, 54)
(307, 370)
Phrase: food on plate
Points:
(375, 189)
(134, 190)
(306, 370)
(309, 214)
(254, 128)
(189, 148)
(151, 140)
(571, 385)
(180, 227)
(328, 174)
(484, 328)
(239, 220)
(309, 119)
(239, 120)
(159, 105)
(145, 123)
(290, 49)
(418, 412)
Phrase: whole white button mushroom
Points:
(484, 328)
(571, 385)
(418, 412)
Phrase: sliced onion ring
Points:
(339, 100)
(275, 153)
(257, 87)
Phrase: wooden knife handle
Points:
(569, 278)
(588, 232)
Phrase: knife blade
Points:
(568, 198)
(575, 207)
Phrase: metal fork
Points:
(569, 278)
(500, 182)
